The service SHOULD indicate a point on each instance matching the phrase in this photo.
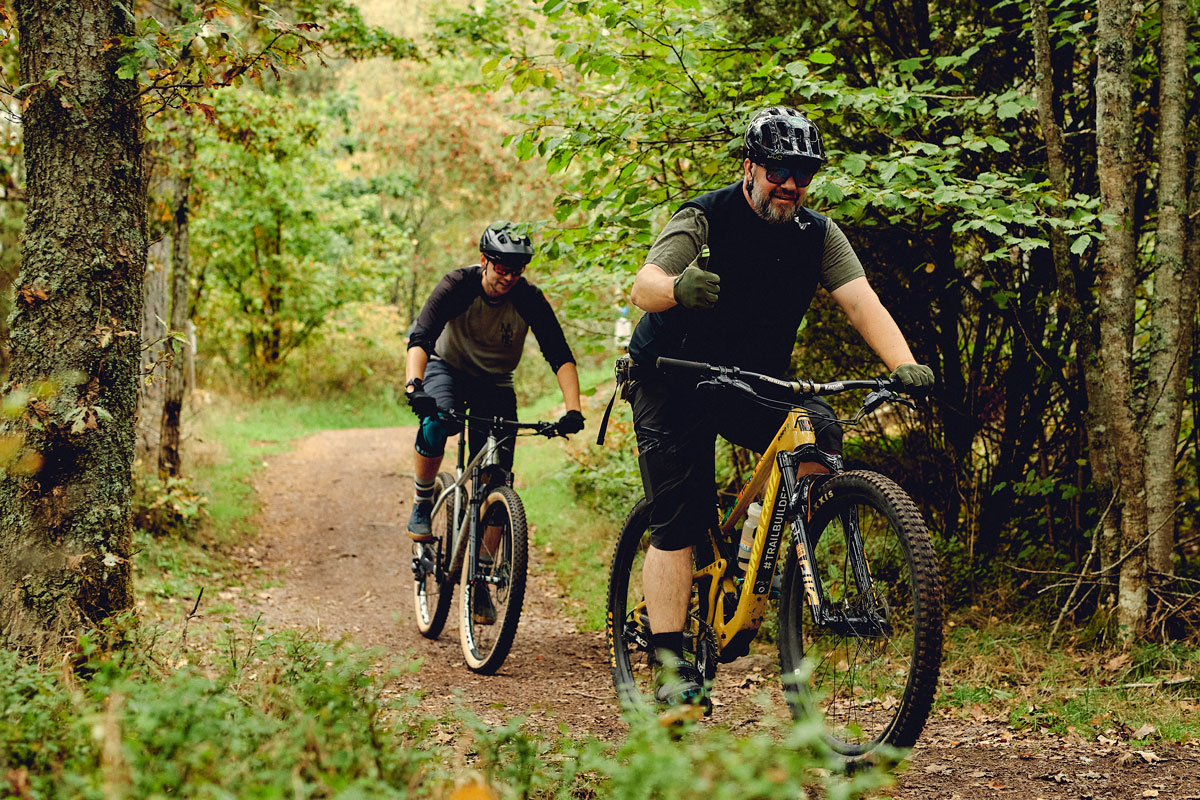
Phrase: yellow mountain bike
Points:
(860, 607)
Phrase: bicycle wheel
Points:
(874, 683)
(627, 626)
(433, 588)
(500, 576)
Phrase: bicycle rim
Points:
(871, 684)
(433, 589)
(627, 626)
(501, 573)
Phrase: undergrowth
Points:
(200, 701)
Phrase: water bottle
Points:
(749, 528)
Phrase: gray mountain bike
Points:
(481, 543)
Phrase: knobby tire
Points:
(874, 688)
(486, 646)
(431, 596)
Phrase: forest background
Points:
(1018, 178)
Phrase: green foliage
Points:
(996, 669)
(643, 104)
(168, 506)
(287, 714)
(291, 714)
(179, 53)
(282, 239)
(789, 761)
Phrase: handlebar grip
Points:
(664, 363)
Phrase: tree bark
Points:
(170, 462)
(1078, 323)
(154, 329)
(65, 527)
(1117, 263)
(1172, 306)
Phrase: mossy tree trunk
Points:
(65, 498)
(1115, 162)
(1174, 299)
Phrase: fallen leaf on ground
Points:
(1117, 663)
(1144, 732)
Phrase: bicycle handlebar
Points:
(547, 429)
(794, 386)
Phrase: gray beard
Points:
(760, 201)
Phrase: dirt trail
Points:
(333, 510)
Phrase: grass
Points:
(1002, 669)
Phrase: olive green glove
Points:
(697, 288)
(913, 376)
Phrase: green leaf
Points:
(1008, 110)
(1080, 244)
(822, 57)
(854, 163)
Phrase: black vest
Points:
(769, 274)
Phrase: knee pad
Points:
(431, 436)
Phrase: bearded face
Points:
(775, 203)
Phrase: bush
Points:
(166, 506)
(288, 716)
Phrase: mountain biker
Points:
(739, 303)
(463, 349)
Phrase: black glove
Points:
(913, 376)
(570, 422)
(697, 288)
(420, 401)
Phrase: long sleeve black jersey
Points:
(484, 335)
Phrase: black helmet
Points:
(501, 243)
(780, 133)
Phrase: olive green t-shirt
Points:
(679, 244)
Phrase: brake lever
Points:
(880, 396)
(726, 381)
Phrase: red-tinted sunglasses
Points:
(777, 174)
(503, 270)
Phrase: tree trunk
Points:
(64, 507)
(1172, 307)
(1078, 324)
(170, 462)
(1117, 263)
(154, 329)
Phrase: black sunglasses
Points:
(777, 174)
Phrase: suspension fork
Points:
(473, 525)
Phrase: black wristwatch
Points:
(415, 385)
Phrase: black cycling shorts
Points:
(491, 396)
(677, 426)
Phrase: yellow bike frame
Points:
(795, 431)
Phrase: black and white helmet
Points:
(501, 243)
(783, 134)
